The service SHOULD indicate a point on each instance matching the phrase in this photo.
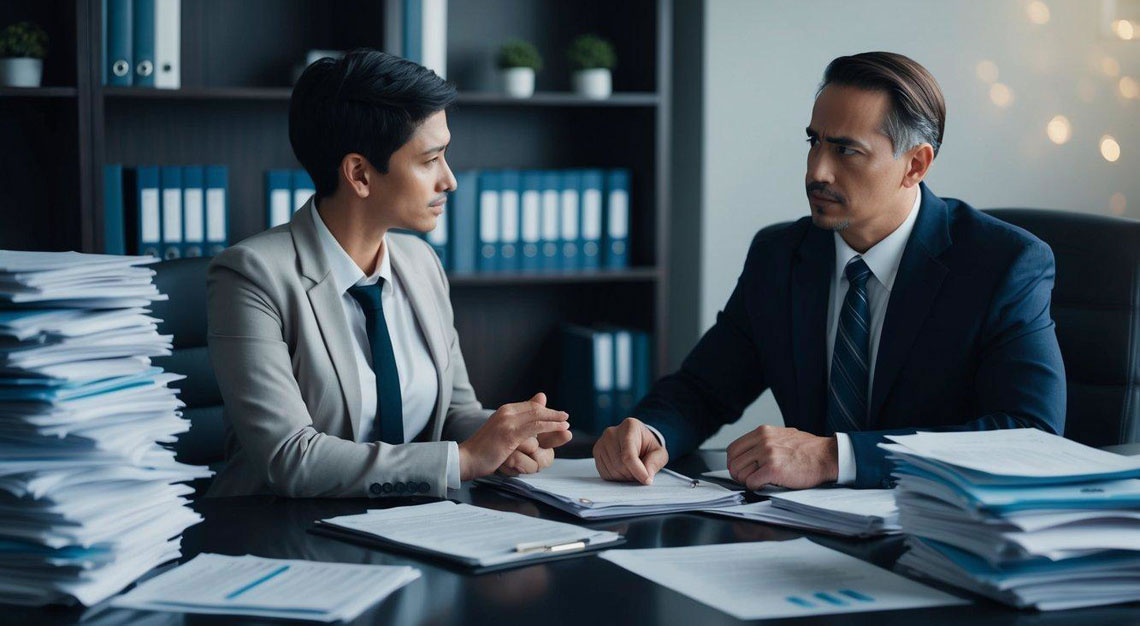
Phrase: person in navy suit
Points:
(889, 310)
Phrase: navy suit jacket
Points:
(967, 343)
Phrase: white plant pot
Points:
(595, 83)
(21, 72)
(518, 82)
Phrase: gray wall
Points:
(762, 61)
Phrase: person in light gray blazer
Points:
(332, 336)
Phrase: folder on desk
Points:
(616, 243)
(193, 211)
(530, 221)
(278, 197)
(591, 226)
(170, 180)
(551, 221)
(477, 539)
(118, 60)
(464, 235)
(143, 210)
(168, 44)
(217, 202)
(570, 213)
(509, 221)
(303, 189)
(490, 184)
(142, 16)
(114, 241)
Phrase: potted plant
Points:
(22, 49)
(518, 61)
(592, 58)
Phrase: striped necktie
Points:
(389, 423)
(847, 390)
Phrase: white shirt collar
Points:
(884, 257)
(346, 273)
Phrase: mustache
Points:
(820, 188)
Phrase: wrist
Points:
(464, 463)
(830, 459)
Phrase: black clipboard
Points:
(469, 566)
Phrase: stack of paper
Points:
(477, 538)
(839, 511)
(89, 498)
(1022, 516)
(574, 486)
(271, 588)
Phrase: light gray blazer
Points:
(282, 354)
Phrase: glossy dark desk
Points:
(584, 591)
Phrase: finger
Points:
(539, 398)
(534, 429)
(744, 442)
(655, 460)
(630, 447)
(741, 462)
(604, 468)
(507, 471)
(554, 439)
(529, 446)
(522, 463)
(763, 475)
(543, 413)
(544, 457)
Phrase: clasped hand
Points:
(518, 438)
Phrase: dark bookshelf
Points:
(237, 62)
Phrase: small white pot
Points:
(21, 72)
(518, 82)
(595, 83)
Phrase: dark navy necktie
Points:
(389, 424)
(847, 390)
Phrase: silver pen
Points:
(549, 546)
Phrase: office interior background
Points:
(710, 100)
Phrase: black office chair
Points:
(184, 316)
(1096, 305)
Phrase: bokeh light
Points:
(1001, 95)
(987, 71)
(1038, 12)
(1128, 87)
(1059, 130)
(1109, 66)
(1124, 29)
(1117, 203)
(1109, 148)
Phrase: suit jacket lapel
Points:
(919, 278)
(328, 309)
(427, 316)
(811, 280)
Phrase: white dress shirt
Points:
(418, 385)
(883, 260)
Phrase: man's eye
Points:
(433, 160)
(844, 150)
(812, 141)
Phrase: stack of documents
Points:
(89, 498)
(1022, 516)
(270, 588)
(476, 538)
(838, 511)
(575, 486)
(775, 579)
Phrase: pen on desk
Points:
(549, 546)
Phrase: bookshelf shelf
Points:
(480, 98)
(38, 92)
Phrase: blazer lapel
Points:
(427, 316)
(919, 278)
(811, 280)
(328, 310)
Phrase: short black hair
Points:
(366, 102)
